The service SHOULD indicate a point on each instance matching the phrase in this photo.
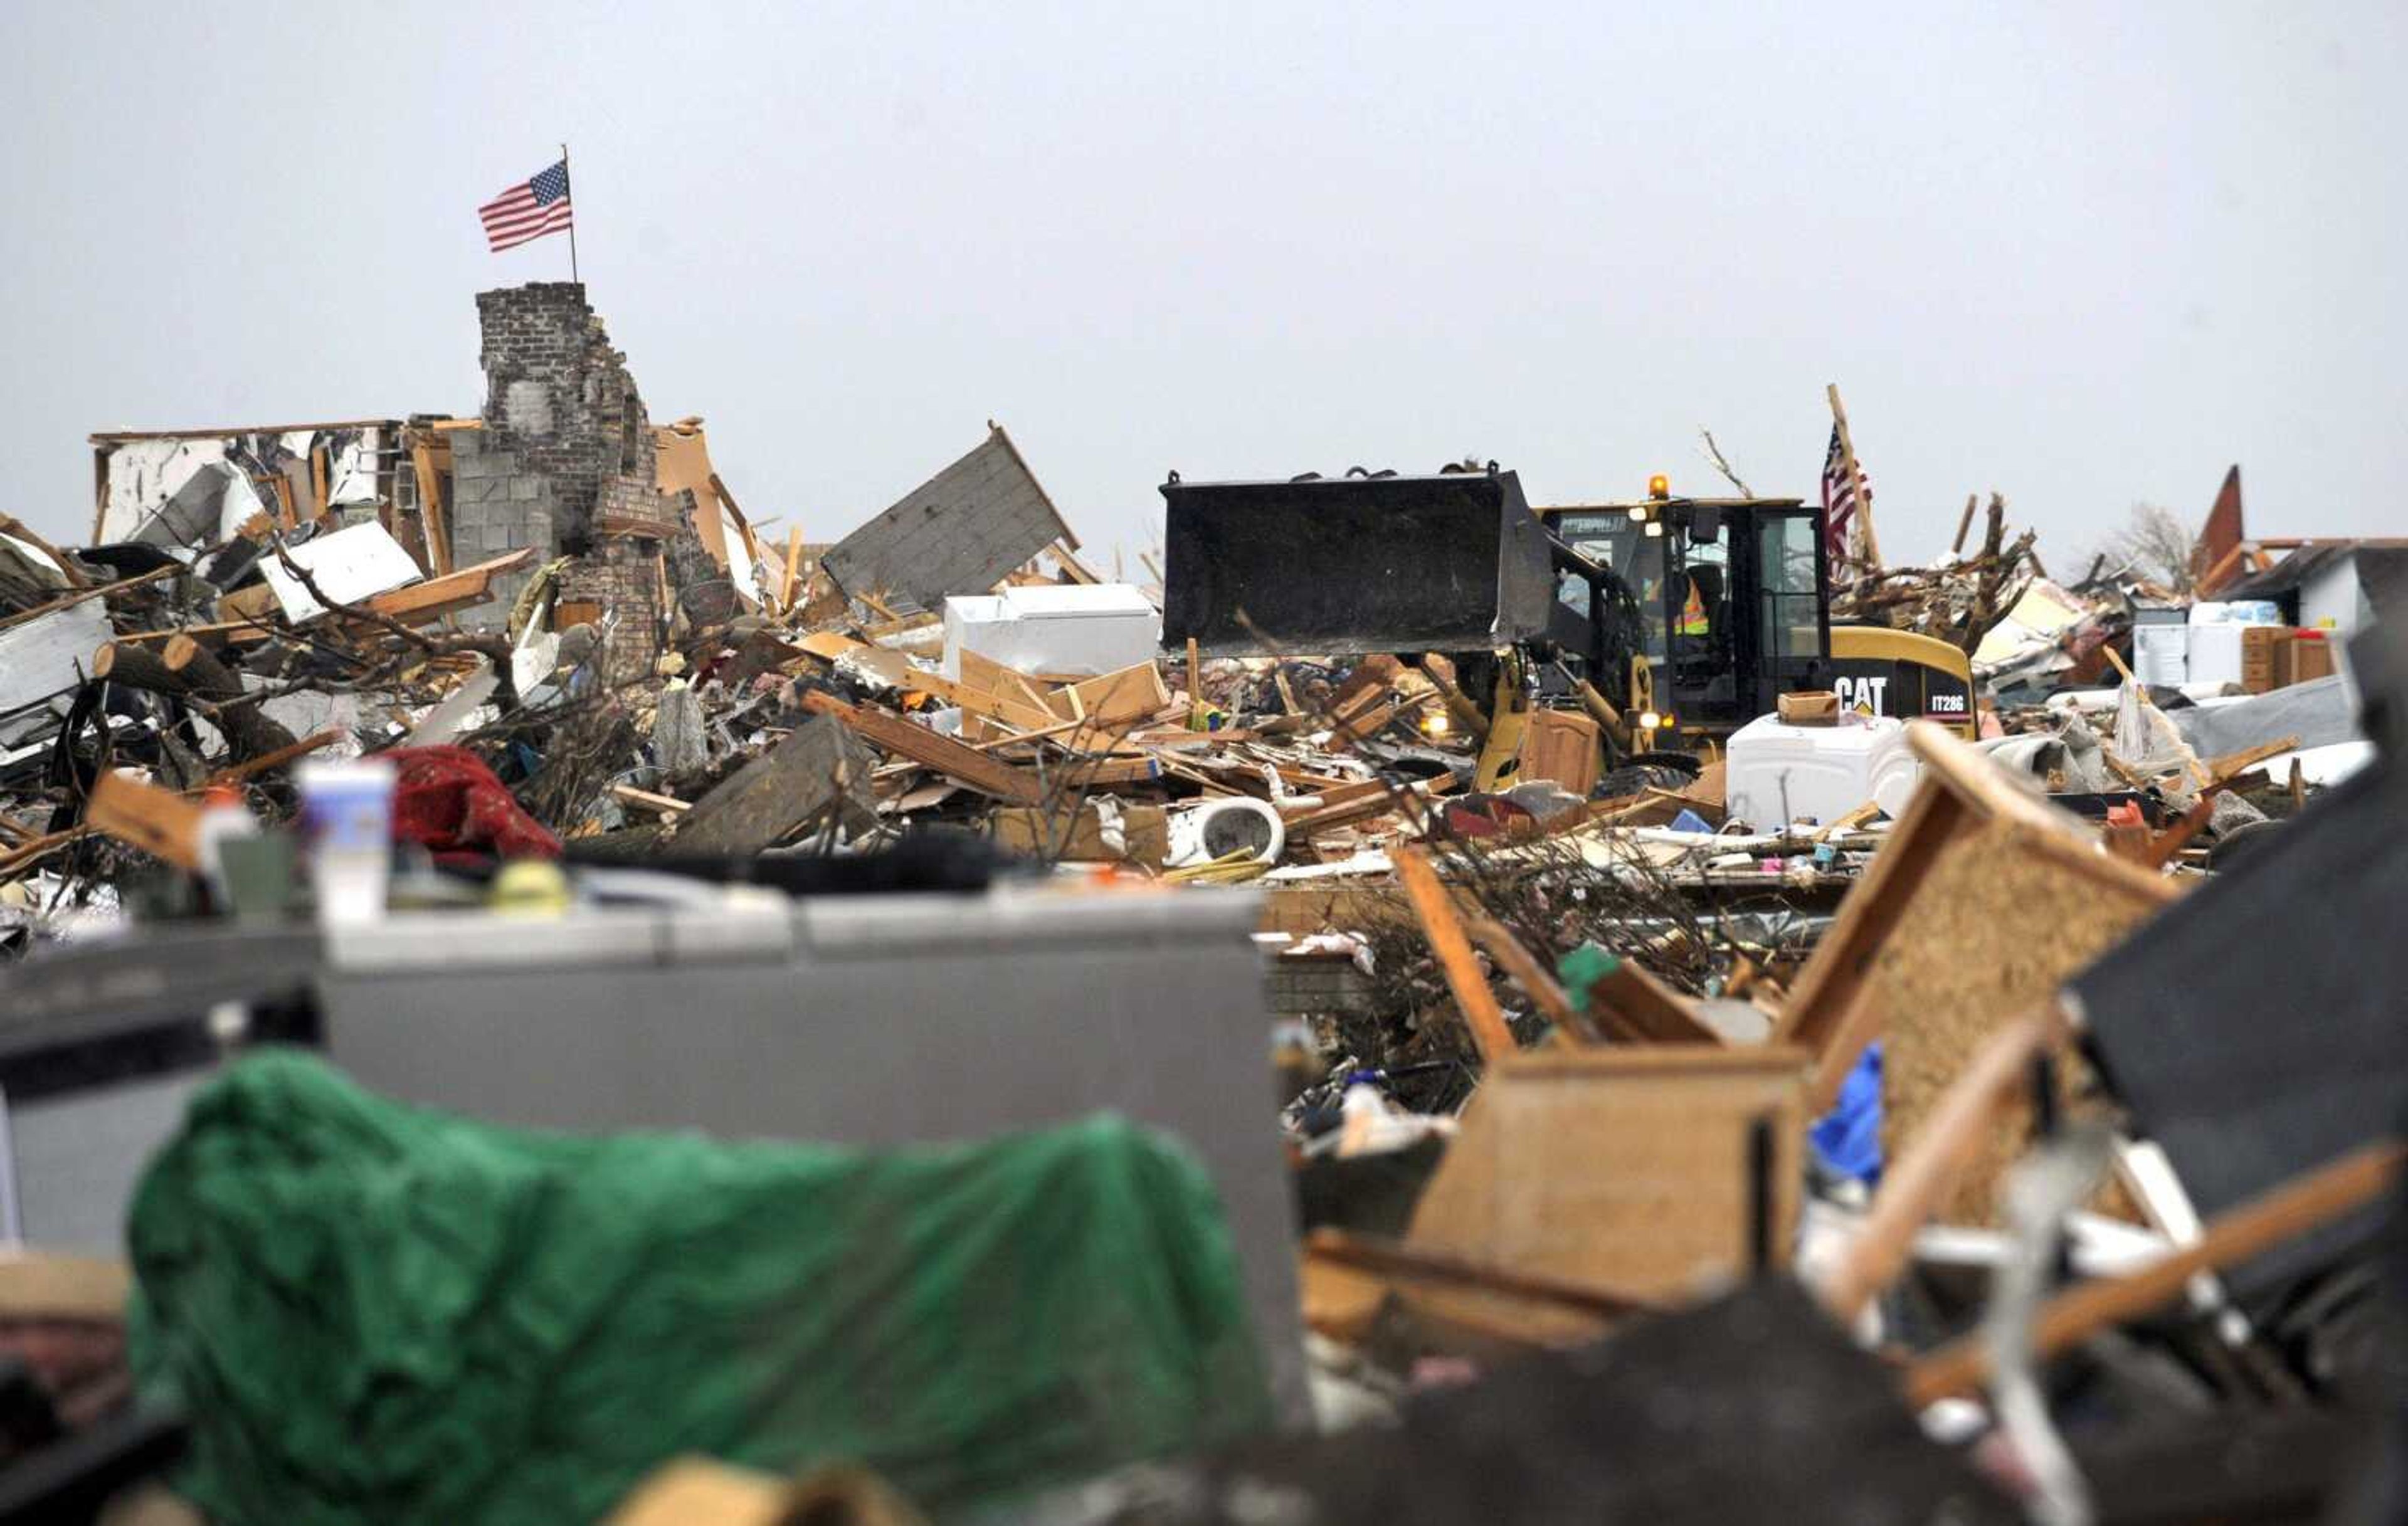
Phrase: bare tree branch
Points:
(1724, 467)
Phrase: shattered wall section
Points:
(629, 506)
(957, 532)
(624, 580)
(567, 463)
(497, 507)
(560, 398)
(348, 467)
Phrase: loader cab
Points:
(1732, 597)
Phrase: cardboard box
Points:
(1145, 831)
(2309, 655)
(1809, 707)
(1562, 746)
(2260, 648)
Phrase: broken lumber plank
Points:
(978, 702)
(98, 591)
(1633, 1005)
(1127, 694)
(665, 804)
(1440, 924)
(1079, 571)
(820, 766)
(788, 576)
(985, 673)
(438, 595)
(1106, 772)
(1530, 974)
(954, 759)
(159, 822)
(2231, 766)
(431, 518)
(266, 762)
(2075, 1315)
(995, 743)
(1407, 801)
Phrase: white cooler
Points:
(1082, 629)
(1777, 774)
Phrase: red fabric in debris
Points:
(448, 801)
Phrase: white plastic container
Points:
(1082, 629)
(2215, 654)
(2161, 655)
(347, 820)
(1776, 774)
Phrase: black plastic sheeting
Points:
(1349, 565)
(2255, 1028)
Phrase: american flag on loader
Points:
(529, 210)
(1838, 502)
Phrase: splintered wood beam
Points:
(1079, 571)
(431, 518)
(1530, 974)
(794, 567)
(2225, 769)
(2284, 1212)
(1645, 1008)
(98, 591)
(1472, 997)
(267, 762)
(161, 822)
(961, 764)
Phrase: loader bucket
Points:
(1337, 567)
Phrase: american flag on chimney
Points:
(1840, 501)
(530, 210)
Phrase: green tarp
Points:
(378, 1313)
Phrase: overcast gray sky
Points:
(2085, 255)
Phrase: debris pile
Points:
(1716, 1083)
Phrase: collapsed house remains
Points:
(531, 993)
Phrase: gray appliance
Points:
(871, 1020)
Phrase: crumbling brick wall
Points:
(560, 399)
(629, 506)
(566, 462)
(621, 576)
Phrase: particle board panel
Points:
(1833, 1009)
(1625, 1168)
(1994, 929)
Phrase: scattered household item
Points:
(1777, 773)
(347, 820)
(1203, 834)
(1808, 707)
(1078, 629)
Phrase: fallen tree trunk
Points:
(185, 670)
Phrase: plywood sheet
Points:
(1624, 1168)
(1993, 929)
